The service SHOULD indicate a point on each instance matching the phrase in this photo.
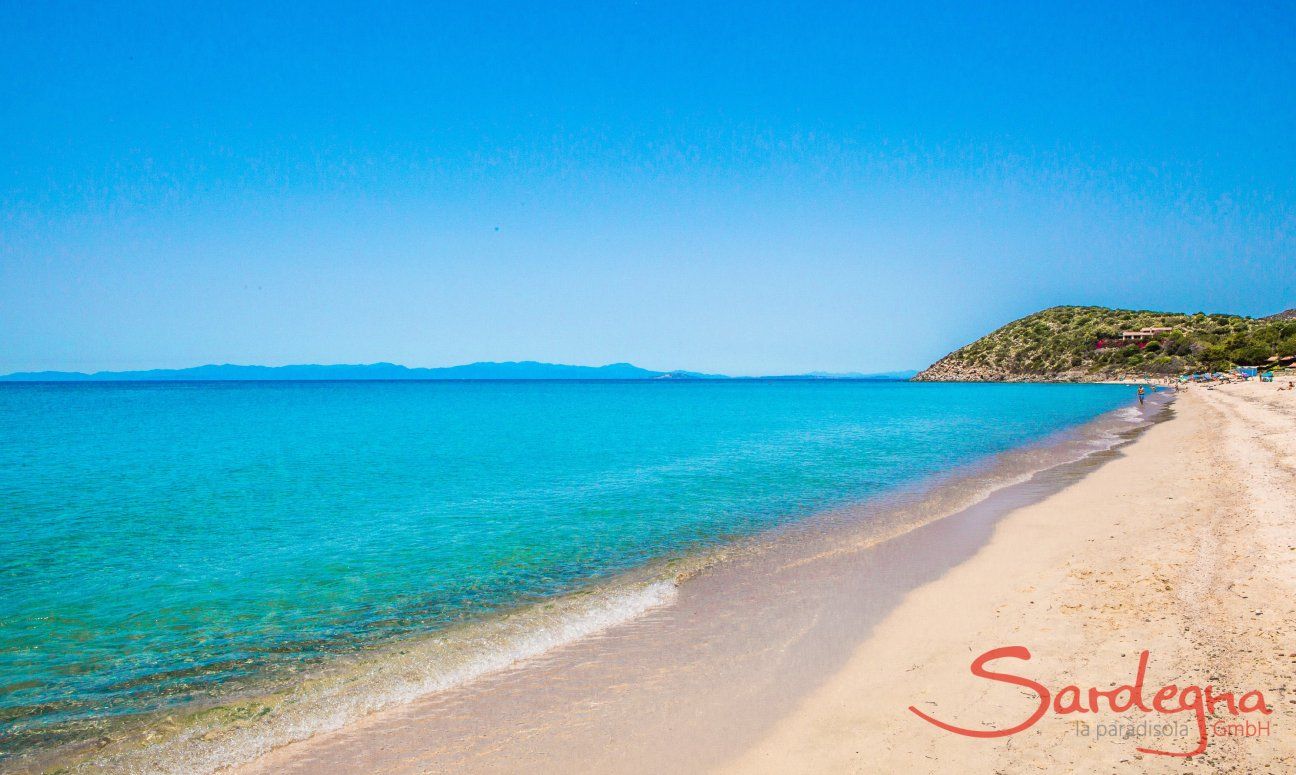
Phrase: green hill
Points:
(1084, 344)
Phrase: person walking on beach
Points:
(1140, 395)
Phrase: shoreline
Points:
(638, 673)
(230, 731)
(1181, 548)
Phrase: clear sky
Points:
(741, 188)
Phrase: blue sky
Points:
(682, 185)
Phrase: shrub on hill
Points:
(1085, 342)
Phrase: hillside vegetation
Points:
(1083, 343)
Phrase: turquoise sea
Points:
(165, 544)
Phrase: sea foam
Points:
(401, 674)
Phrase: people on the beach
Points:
(1141, 392)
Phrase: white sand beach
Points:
(1185, 547)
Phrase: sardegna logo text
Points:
(1168, 700)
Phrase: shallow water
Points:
(172, 544)
(688, 686)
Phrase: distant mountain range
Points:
(393, 371)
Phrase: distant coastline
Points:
(483, 370)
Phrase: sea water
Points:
(163, 546)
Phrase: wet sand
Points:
(726, 675)
(1185, 547)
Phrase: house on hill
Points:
(1144, 334)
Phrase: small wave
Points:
(233, 734)
(1129, 414)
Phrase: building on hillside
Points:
(1144, 334)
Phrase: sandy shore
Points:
(1180, 545)
(1184, 547)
